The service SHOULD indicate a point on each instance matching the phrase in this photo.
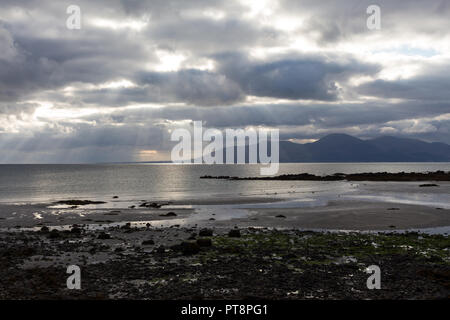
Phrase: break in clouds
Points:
(136, 70)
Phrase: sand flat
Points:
(365, 206)
(350, 215)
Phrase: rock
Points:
(193, 236)
(205, 233)
(44, 229)
(132, 207)
(75, 230)
(393, 208)
(429, 185)
(79, 202)
(161, 249)
(112, 213)
(188, 247)
(168, 214)
(211, 219)
(204, 242)
(149, 242)
(392, 226)
(150, 205)
(54, 234)
(115, 197)
(434, 258)
(104, 236)
(126, 226)
(280, 216)
(290, 256)
(235, 233)
(175, 247)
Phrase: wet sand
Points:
(343, 215)
(349, 215)
(368, 206)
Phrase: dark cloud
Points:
(292, 77)
(232, 51)
(332, 21)
(432, 84)
(163, 9)
(193, 87)
(288, 77)
(34, 63)
(16, 109)
(208, 36)
(295, 114)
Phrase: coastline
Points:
(264, 247)
(356, 206)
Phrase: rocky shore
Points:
(201, 263)
(368, 176)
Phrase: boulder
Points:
(150, 205)
(204, 242)
(104, 236)
(54, 234)
(234, 233)
(193, 236)
(161, 249)
(189, 247)
(206, 233)
(126, 226)
(168, 214)
(75, 230)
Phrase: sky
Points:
(116, 88)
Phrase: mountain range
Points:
(345, 148)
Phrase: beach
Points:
(275, 246)
(224, 150)
(338, 205)
(244, 263)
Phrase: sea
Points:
(143, 181)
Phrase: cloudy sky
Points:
(136, 70)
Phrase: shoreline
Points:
(340, 214)
(271, 247)
(361, 206)
(366, 176)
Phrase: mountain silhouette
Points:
(345, 148)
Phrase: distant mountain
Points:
(345, 148)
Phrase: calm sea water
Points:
(28, 183)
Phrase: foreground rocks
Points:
(79, 202)
(162, 264)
